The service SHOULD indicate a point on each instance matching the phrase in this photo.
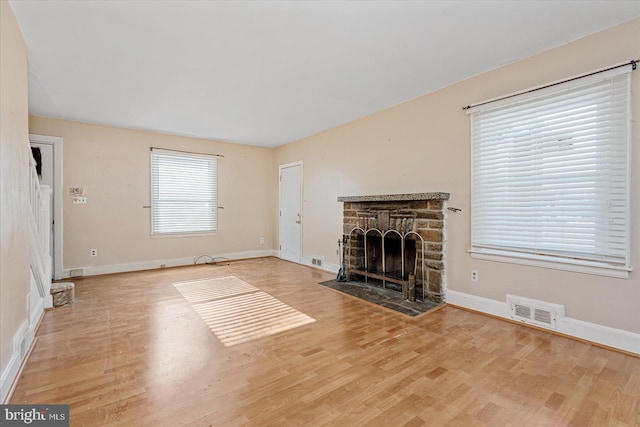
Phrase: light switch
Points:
(80, 200)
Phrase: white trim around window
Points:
(550, 176)
(183, 193)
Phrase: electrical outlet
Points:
(76, 191)
(262, 240)
(94, 252)
(79, 200)
(474, 275)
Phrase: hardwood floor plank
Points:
(132, 351)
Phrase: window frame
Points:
(153, 208)
(560, 260)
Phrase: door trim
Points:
(57, 197)
(280, 167)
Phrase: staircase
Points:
(40, 244)
(39, 297)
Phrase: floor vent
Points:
(535, 312)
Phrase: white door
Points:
(51, 157)
(47, 171)
(291, 212)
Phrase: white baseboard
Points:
(612, 337)
(35, 316)
(175, 262)
(331, 267)
(10, 371)
(8, 375)
(326, 266)
(179, 262)
(36, 309)
(474, 302)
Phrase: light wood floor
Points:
(132, 351)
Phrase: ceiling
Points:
(272, 72)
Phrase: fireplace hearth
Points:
(397, 242)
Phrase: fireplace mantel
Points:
(395, 197)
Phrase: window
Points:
(550, 175)
(183, 192)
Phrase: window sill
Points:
(579, 266)
(168, 235)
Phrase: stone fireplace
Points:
(397, 242)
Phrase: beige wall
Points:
(423, 145)
(112, 165)
(14, 168)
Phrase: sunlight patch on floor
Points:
(237, 312)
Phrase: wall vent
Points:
(535, 312)
(522, 311)
(21, 343)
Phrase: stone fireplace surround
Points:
(416, 219)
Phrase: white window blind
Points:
(183, 192)
(550, 172)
